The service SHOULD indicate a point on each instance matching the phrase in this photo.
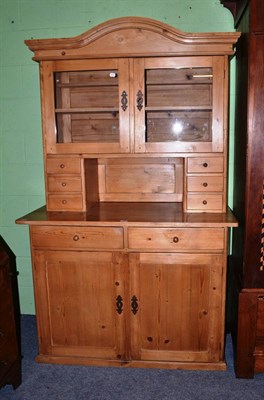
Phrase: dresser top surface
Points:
(125, 213)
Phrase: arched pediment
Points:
(131, 37)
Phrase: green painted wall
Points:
(21, 166)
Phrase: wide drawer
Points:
(178, 239)
(205, 202)
(205, 183)
(205, 164)
(66, 202)
(63, 165)
(65, 237)
(57, 183)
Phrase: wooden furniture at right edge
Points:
(248, 240)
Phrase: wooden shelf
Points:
(85, 110)
(82, 85)
(179, 108)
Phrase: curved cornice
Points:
(136, 24)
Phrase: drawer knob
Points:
(76, 238)
(205, 165)
(63, 184)
(205, 202)
(64, 201)
(205, 184)
(62, 166)
(175, 239)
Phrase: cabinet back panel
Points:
(94, 97)
(88, 127)
(91, 127)
(140, 180)
(94, 78)
(179, 76)
(92, 87)
(179, 95)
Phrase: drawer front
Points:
(205, 164)
(63, 165)
(205, 202)
(67, 202)
(57, 183)
(205, 183)
(65, 237)
(176, 239)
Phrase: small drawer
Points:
(67, 202)
(205, 183)
(179, 239)
(65, 237)
(63, 165)
(205, 164)
(57, 183)
(205, 202)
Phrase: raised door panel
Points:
(141, 179)
(178, 307)
(86, 106)
(76, 303)
(179, 104)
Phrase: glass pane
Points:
(179, 105)
(86, 105)
(185, 126)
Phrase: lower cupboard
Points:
(130, 308)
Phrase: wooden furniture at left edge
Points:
(129, 254)
(10, 352)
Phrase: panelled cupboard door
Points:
(179, 104)
(176, 304)
(79, 305)
(86, 106)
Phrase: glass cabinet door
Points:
(91, 106)
(177, 105)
